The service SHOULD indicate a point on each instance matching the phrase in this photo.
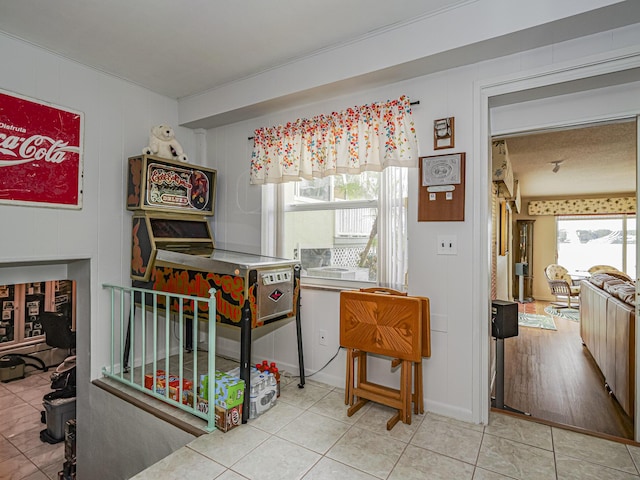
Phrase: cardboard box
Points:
(228, 390)
(229, 397)
(226, 418)
(175, 392)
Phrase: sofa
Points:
(607, 328)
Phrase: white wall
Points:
(92, 244)
(117, 118)
(612, 102)
(425, 44)
(446, 280)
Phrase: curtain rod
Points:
(417, 102)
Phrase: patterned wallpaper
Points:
(494, 240)
(583, 206)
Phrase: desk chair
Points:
(58, 333)
(57, 330)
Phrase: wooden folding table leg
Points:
(348, 387)
(362, 366)
(393, 420)
(408, 381)
(418, 395)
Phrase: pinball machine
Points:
(173, 250)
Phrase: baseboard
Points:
(447, 410)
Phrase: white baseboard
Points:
(447, 410)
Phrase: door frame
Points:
(624, 60)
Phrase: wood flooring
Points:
(552, 376)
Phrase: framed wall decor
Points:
(441, 189)
(40, 153)
(505, 221)
(444, 133)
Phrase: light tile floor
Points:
(22, 454)
(307, 435)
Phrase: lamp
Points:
(556, 164)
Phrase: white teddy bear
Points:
(162, 143)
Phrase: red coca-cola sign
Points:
(40, 153)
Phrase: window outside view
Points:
(331, 226)
(607, 240)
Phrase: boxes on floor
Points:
(175, 393)
(266, 393)
(229, 396)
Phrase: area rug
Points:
(569, 313)
(536, 321)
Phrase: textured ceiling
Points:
(594, 160)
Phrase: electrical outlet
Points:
(322, 337)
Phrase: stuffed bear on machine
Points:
(162, 143)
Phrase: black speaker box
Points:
(504, 319)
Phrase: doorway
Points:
(616, 69)
(548, 372)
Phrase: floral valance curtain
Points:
(583, 206)
(370, 137)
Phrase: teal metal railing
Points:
(148, 335)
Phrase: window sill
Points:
(333, 285)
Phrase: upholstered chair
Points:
(602, 269)
(561, 284)
(613, 271)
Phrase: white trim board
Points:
(598, 66)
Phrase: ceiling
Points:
(180, 48)
(594, 160)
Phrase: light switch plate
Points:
(447, 245)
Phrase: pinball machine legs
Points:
(188, 335)
(299, 337)
(245, 358)
(245, 354)
(127, 345)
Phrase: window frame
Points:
(273, 229)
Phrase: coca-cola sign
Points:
(40, 153)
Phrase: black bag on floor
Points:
(63, 380)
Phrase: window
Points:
(347, 228)
(584, 241)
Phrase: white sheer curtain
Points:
(370, 137)
(392, 224)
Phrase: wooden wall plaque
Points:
(441, 188)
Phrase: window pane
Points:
(343, 228)
(337, 188)
(335, 244)
(318, 190)
(356, 187)
(584, 242)
(631, 247)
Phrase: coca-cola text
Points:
(35, 147)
